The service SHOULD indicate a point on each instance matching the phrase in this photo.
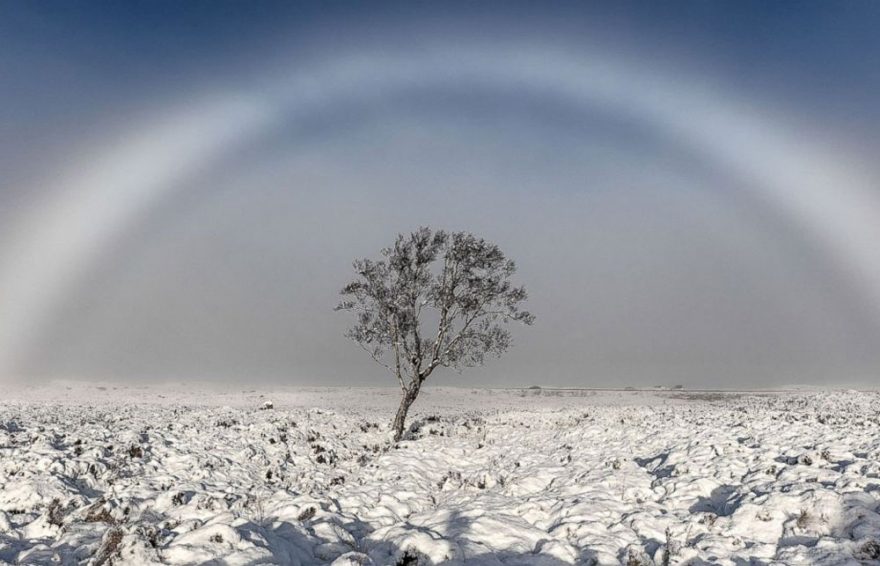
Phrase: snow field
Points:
(486, 477)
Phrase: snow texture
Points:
(97, 474)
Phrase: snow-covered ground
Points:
(175, 475)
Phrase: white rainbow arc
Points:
(824, 195)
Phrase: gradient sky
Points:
(691, 191)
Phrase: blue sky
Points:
(75, 61)
(690, 189)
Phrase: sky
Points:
(690, 190)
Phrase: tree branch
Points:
(396, 344)
(375, 357)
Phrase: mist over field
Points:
(690, 192)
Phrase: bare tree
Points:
(434, 299)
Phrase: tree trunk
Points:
(409, 395)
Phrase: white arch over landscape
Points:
(819, 190)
